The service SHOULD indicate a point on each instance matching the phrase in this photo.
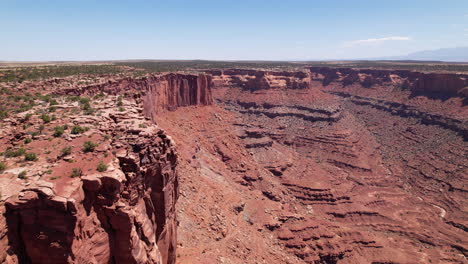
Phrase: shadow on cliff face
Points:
(39, 229)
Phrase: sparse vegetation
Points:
(59, 130)
(30, 156)
(66, 151)
(10, 153)
(3, 166)
(27, 140)
(22, 175)
(101, 167)
(76, 172)
(46, 118)
(27, 117)
(21, 74)
(78, 130)
(89, 146)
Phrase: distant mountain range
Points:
(459, 54)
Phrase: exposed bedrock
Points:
(434, 85)
(259, 79)
(375, 172)
(158, 93)
(402, 110)
(124, 215)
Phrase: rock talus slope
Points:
(340, 171)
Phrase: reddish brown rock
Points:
(259, 79)
(419, 83)
(157, 92)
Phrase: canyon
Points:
(309, 165)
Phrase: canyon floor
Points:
(314, 165)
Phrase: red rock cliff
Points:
(158, 92)
(259, 79)
(419, 83)
(123, 215)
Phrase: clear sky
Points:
(227, 29)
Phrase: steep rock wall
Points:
(124, 215)
(437, 85)
(158, 93)
(259, 80)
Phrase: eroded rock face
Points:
(419, 83)
(158, 93)
(258, 79)
(125, 214)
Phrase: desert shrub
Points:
(89, 146)
(53, 102)
(121, 109)
(27, 141)
(3, 166)
(58, 131)
(46, 118)
(119, 101)
(26, 117)
(76, 172)
(22, 175)
(101, 167)
(30, 156)
(99, 95)
(66, 151)
(10, 153)
(78, 130)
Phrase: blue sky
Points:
(232, 30)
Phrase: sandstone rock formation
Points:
(259, 79)
(157, 92)
(124, 214)
(419, 83)
(354, 169)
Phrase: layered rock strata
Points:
(437, 85)
(124, 214)
(157, 93)
(259, 79)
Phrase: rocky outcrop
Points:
(157, 92)
(259, 79)
(437, 85)
(125, 214)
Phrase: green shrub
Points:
(99, 95)
(3, 166)
(10, 153)
(27, 141)
(22, 175)
(77, 130)
(66, 151)
(76, 172)
(46, 118)
(58, 131)
(121, 109)
(101, 167)
(30, 156)
(53, 102)
(27, 117)
(89, 146)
